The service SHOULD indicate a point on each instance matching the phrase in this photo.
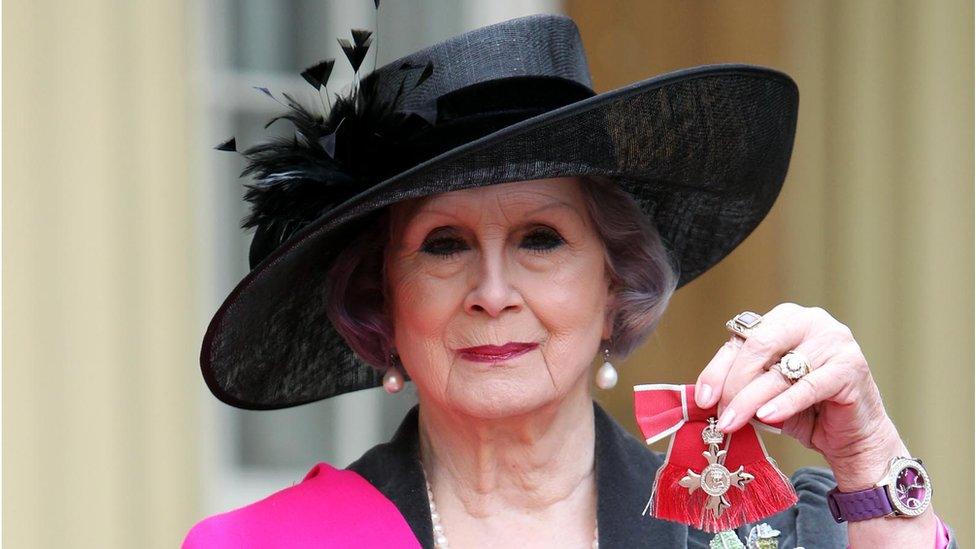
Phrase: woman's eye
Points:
(543, 240)
(442, 246)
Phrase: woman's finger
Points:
(763, 388)
(821, 384)
(781, 329)
(708, 386)
(744, 405)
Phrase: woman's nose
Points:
(493, 290)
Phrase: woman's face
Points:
(512, 262)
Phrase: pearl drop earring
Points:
(606, 376)
(392, 380)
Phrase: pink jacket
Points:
(333, 505)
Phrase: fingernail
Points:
(702, 397)
(766, 410)
(727, 417)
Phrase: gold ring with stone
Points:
(792, 366)
(743, 323)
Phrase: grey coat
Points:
(625, 469)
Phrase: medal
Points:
(710, 480)
(715, 479)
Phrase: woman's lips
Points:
(494, 353)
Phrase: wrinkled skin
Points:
(835, 409)
(513, 276)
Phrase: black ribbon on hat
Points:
(474, 111)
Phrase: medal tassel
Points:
(769, 493)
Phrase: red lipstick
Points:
(495, 353)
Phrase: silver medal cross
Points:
(715, 479)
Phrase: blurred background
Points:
(121, 233)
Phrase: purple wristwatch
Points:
(905, 491)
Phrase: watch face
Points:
(910, 490)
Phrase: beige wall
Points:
(99, 331)
(99, 296)
(875, 222)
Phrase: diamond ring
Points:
(793, 366)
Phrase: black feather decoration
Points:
(267, 92)
(356, 51)
(229, 145)
(330, 159)
(327, 142)
(318, 75)
(362, 37)
(428, 70)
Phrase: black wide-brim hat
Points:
(704, 152)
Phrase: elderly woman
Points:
(510, 229)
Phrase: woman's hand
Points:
(835, 409)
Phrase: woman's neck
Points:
(526, 464)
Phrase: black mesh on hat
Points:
(704, 152)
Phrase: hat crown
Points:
(533, 45)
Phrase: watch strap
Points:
(860, 505)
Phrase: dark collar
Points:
(625, 472)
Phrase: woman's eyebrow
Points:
(556, 204)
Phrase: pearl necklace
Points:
(440, 540)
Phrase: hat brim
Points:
(704, 151)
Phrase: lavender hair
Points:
(643, 276)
